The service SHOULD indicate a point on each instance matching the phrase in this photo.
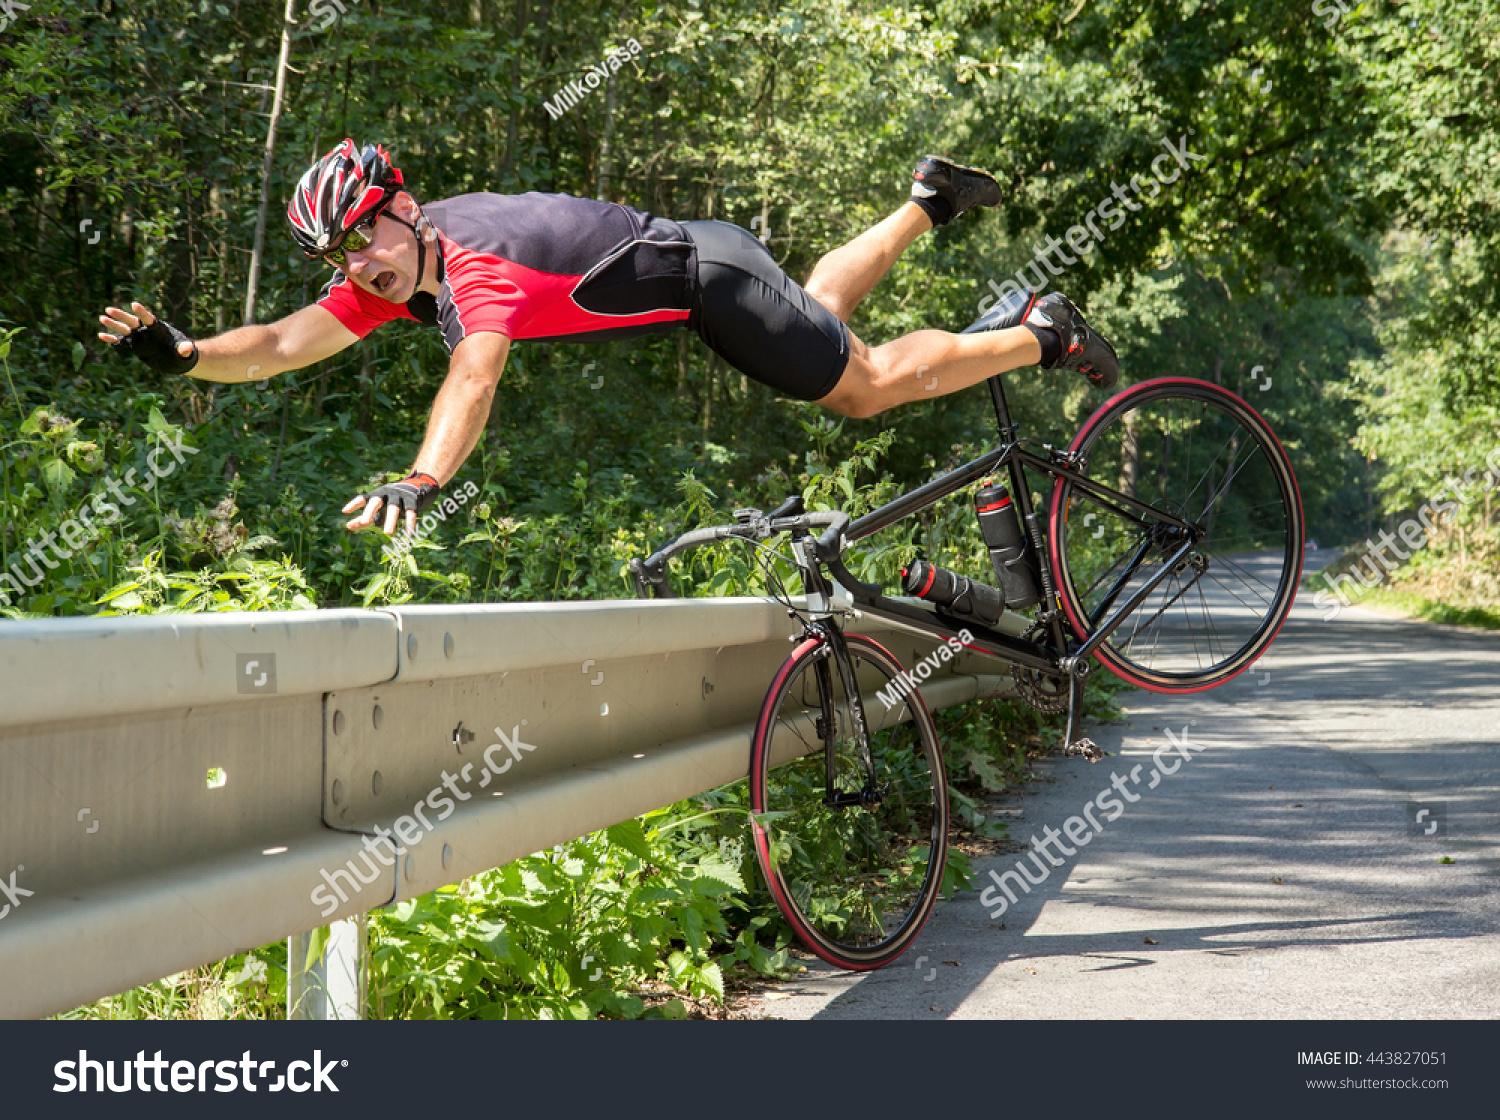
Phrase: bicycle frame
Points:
(1063, 655)
(1060, 654)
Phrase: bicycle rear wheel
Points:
(857, 882)
(1197, 452)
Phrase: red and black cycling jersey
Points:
(540, 266)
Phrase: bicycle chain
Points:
(1031, 685)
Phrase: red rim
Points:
(1054, 533)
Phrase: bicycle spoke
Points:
(1207, 620)
(1187, 618)
(1230, 591)
(1245, 576)
(1224, 486)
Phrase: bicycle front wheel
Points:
(857, 878)
(1198, 453)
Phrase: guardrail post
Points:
(332, 985)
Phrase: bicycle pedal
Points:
(1085, 747)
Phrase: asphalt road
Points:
(1278, 872)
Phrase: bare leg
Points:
(926, 364)
(916, 366)
(845, 276)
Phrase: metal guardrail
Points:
(175, 789)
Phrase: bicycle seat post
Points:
(1002, 410)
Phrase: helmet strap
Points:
(421, 242)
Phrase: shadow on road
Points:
(1279, 872)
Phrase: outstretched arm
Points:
(251, 353)
(458, 417)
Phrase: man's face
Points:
(387, 267)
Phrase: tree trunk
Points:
(181, 270)
(253, 283)
(513, 124)
(708, 398)
(544, 53)
(366, 421)
(1130, 456)
(682, 375)
(216, 212)
(606, 144)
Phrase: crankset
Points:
(1042, 692)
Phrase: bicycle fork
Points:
(833, 649)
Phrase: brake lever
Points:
(650, 582)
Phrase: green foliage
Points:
(245, 986)
(571, 933)
(1416, 606)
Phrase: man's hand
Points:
(246, 354)
(154, 341)
(458, 416)
(411, 496)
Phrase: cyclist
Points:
(490, 268)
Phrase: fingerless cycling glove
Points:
(415, 492)
(157, 344)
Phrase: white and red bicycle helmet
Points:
(338, 192)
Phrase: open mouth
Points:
(384, 282)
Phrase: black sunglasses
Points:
(356, 239)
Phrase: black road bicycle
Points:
(1170, 550)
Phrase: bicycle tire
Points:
(1258, 614)
(827, 890)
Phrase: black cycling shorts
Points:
(761, 321)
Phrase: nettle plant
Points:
(609, 924)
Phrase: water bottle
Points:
(1010, 548)
(955, 594)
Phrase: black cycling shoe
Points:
(1083, 349)
(960, 187)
